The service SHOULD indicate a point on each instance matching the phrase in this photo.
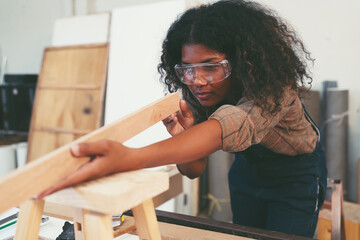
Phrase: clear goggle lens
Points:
(211, 72)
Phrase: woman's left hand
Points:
(179, 121)
(109, 157)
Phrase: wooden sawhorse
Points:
(97, 201)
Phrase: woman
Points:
(241, 71)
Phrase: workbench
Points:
(174, 226)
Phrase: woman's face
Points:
(208, 94)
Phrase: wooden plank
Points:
(114, 194)
(39, 175)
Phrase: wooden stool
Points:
(97, 201)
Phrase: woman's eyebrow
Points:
(205, 61)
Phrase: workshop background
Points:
(135, 30)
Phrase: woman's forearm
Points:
(192, 169)
(193, 144)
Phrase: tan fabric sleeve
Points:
(244, 124)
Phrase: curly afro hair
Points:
(265, 55)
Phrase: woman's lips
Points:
(203, 95)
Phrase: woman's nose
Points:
(199, 80)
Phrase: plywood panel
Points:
(45, 141)
(69, 96)
(74, 109)
(73, 65)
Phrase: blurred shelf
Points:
(8, 137)
(13, 132)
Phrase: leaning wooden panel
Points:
(73, 65)
(70, 108)
(39, 175)
(47, 141)
(69, 94)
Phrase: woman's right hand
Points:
(107, 156)
(179, 121)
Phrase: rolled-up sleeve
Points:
(246, 124)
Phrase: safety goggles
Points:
(211, 72)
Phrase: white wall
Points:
(25, 29)
(329, 29)
(136, 36)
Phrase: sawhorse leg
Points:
(29, 220)
(145, 220)
(92, 225)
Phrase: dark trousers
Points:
(276, 191)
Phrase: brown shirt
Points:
(287, 132)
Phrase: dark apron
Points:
(277, 191)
